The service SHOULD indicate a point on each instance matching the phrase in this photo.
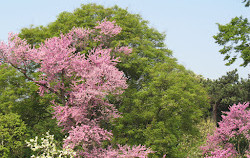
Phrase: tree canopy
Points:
(165, 108)
(162, 96)
(227, 90)
(234, 37)
(80, 83)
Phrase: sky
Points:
(189, 25)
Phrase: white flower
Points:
(48, 148)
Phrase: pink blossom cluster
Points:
(17, 52)
(81, 81)
(108, 28)
(232, 137)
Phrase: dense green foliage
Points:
(163, 110)
(20, 101)
(13, 132)
(163, 97)
(227, 90)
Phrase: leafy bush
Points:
(190, 144)
(12, 135)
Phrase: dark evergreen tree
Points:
(227, 90)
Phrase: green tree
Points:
(234, 37)
(167, 106)
(147, 43)
(162, 97)
(13, 132)
(227, 90)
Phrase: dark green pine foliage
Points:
(226, 91)
(163, 100)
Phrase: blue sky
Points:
(189, 25)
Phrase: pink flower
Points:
(234, 128)
(80, 81)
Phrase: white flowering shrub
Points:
(47, 148)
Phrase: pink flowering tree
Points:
(79, 68)
(232, 137)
